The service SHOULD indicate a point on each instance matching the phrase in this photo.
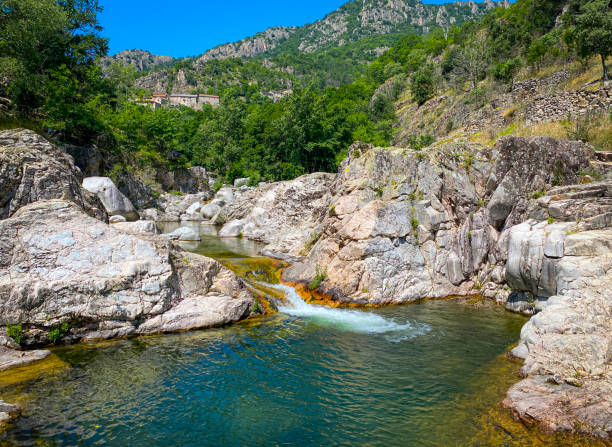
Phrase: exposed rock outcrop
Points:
(60, 267)
(405, 225)
(33, 169)
(141, 60)
(566, 347)
(115, 203)
(283, 215)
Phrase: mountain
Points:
(351, 22)
(330, 51)
(141, 60)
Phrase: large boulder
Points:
(400, 225)
(533, 164)
(566, 346)
(138, 227)
(33, 169)
(283, 215)
(175, 207)
(183, 234)
(115, 203)
(57, 265)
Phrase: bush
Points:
(422, 86)
(15, 331)
(217, 185)
(57, 333)
(320, 276)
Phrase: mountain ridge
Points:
(353, 21)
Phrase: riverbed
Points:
(428, 374)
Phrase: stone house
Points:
(195, 102)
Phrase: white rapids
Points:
(347, 319)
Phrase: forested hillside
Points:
(49, 80)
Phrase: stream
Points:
(427, 374)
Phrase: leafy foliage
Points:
(15, 331)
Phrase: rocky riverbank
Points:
(520, 223)
(66, 275)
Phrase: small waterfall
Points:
(347, 319)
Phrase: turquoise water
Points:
(308, 376)
(283, 380)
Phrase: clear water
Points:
(430, 374)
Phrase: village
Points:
(195, 102)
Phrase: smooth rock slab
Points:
(58, 265)
(198, 313)
(11, 358)
(183, 234)
(138, 227)
(113, 200)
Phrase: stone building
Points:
(195, 102)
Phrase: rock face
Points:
(251, 46)
(33, 169)
(566, 347)
(141, 60)
(115, 203)
(283, 215)
(403, 225)
(59, 266)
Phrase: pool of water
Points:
(430, 374)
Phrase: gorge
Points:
(392, 226)
(476, 236)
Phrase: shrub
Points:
(217, 185)
(57, 333)
(421, 85)
(15, 331)
(320, 276)
(551, 220)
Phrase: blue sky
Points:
(190, 27)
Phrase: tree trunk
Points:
(604, 77)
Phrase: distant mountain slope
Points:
(142, 60)
(351, 22)
(331, 51)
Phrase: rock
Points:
(183, 234)
(113, 200)
(194, 208)
(135, 189)
(11, 358)
(284, 215)
(241, 182)
(8, 412)
(530, 164)
(226, 194)
(116, 219)
(211, 209)
(197, 313)
(138, 227)
(149, 214)
(33, 169)
(232, 229)
(194, 180)
(57, 265)
(174, 207)
(570, 339)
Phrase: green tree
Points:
(592, 31)
(49, 48)
(421, 85)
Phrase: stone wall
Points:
(567, 105)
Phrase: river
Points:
(428, 374)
